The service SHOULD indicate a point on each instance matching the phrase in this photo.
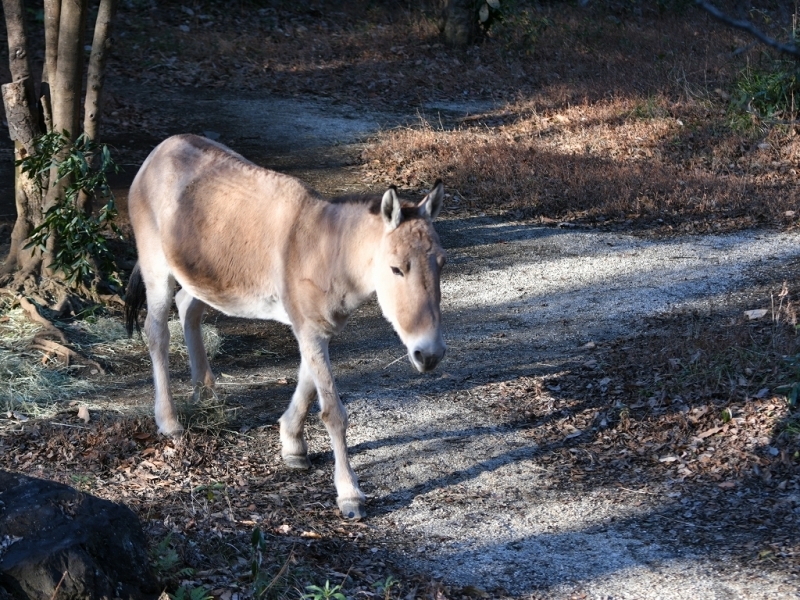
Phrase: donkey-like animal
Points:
(254, 243)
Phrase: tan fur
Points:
(254, 243)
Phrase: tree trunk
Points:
(66, 92)
(460, 22)
(101, 44)
(23, 123)
(52, 20)
(59, 111)
(18, 60)
(66, 88)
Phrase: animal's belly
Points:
(267, 307)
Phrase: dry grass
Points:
(29, 383)
(630, 162)
(612, 112)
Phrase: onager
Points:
(254, 243)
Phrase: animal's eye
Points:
(397, 271)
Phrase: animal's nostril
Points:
(431, 361)
(418, 356)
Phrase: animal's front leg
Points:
(294, 449)
(314, 350)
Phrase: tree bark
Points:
(66, 87)
(66, 91)
(460, 22)
(18, 60)
(20, 106)
(101, 44)
(22, 126)
(52, 20)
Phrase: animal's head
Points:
(408, 267)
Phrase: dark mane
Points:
(373, 203)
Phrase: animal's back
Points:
(223, 223)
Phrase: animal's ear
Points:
(390, 209)
(432, 203)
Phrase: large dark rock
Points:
(99, 544)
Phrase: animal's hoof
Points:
(297, 461)
(173, 430)
(203, 393)
(352, 508)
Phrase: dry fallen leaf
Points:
(311, 534)
(709, 432)
(83, 413)
(755, 314)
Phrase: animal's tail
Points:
(135, 297)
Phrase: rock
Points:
(47, 529)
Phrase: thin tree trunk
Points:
(66, 87)
(18, 60)
(101, 45)
(22, 126)
(52, 20)
(19, 100)
(460, 22)
(21, 129)
(66, 91)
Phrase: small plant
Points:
(165, 561)
(324, 593)
(195, 593)
(792, 390)
(792, 426)
(771, 94)
(81, 247)
(260, 585)
(384, 586)
(516, 25)
(82, 482)
(263, 580)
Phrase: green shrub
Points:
(81, 248)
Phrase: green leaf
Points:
(80, 236)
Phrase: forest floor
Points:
(609, 422)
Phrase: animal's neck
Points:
(360, 234)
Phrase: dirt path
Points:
(454, 486)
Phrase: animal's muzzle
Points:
(426, 360)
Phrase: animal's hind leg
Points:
(294, 449)
(159, 301)
(191, 311)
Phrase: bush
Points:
(81, 248)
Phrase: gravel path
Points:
(456, 489)
(465, 488)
